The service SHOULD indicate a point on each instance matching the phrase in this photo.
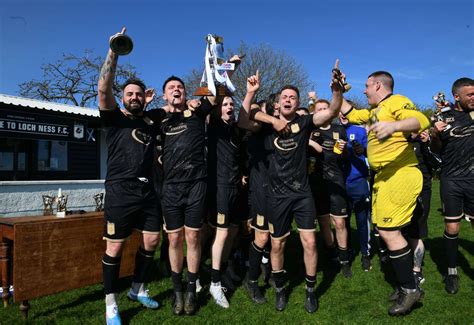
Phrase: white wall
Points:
(20, 198)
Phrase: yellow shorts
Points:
(394, 196)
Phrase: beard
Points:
(134, 107)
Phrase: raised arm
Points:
(106, 81)
(324, 116)
(253, 84)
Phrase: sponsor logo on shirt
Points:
(461, 132)
(140, 136)
(285, 144)
(175, 129)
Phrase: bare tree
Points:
(276, 70)
(73, 80)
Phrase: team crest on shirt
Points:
(140, 136)
(295, 128)
(187, 113)
(335, 135)
(352, 136)
(387, 220)
(287, 144)
(409, 106)
(316, 134)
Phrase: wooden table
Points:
(44, 255)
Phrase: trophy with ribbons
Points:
(215, 79)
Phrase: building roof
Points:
(50, 106)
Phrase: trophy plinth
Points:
(220, 91)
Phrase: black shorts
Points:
(223, 206)
(457, 197)
(130, 204)
(330, 198)
(183, 205)
(282, 210)
(258, 213)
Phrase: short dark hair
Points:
(385, 78)
(173, 78)
(134, 81)
(292, 88)
(461, 82)
(303, 109)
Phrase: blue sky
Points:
(425, 44)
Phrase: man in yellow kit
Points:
(398, 182)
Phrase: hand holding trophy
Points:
(340, 78)
(120, 43)
(215, 79)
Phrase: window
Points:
(52, 155)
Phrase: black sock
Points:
(343, 255)
(215, 275)
(402, 261)
(451, 244)
(143, 265)
(177, 279)
(310, 281)
(255, 258)
(110, 271)
(192, 278)
(280, 278)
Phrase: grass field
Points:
(361, 299)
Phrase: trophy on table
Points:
(120, 43)
(99, 202)
(215, 79)
(48, 205)
(61, 208)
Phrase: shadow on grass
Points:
(437, 250)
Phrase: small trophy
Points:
(120, 43)
(215, 80)
(99, 202)
(61, 201)
(48, 205)
(442, 109)
(340, 78)
(312, 100)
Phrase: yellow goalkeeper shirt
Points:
(395, 150)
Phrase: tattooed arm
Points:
(106, 82)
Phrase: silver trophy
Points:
(61, 205)
(99, 202)
(215, 80)
(442, 109)
(120, 43)
(48, 205)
